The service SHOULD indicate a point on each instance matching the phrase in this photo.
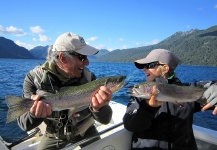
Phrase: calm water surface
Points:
(13, 71)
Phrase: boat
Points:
(113, 136)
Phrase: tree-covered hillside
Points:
(8, 49)
(195, 47)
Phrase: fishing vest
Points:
(61, 125)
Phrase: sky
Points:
(104, 24)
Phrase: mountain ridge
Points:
(193, 47)
(8, 47)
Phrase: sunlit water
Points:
(13, 71)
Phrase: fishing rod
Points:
(97, 135)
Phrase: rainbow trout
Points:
(72, 97)
(168, 92)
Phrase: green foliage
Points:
(195, 47)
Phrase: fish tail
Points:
(16, 107)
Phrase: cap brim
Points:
(145, 60)
(87, 50)
(141, 62)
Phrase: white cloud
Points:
(92, 38)
(124, 46)
(121, 39)
(36, 29)
(188, 26)
(155, 41)
(101, 46)
(43, 38)
(138, 43)
(111, 49)
(12, 30)
(34, 39)
(27, 46)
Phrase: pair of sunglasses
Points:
(80, 56)
(149, 65)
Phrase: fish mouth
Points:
(137, 93)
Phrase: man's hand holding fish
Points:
(77, 98)
(101, 98)
(40, 108)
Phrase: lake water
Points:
(13, 71)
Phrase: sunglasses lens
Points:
(80, 56)
(151, 65)
(139, 66)
(83, 57)
(147, 66)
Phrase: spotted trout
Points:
(71, 98)
(168, 92)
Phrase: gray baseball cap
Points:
(71, 42)
(159, 55)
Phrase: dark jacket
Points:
(165, 127)
(45, 80)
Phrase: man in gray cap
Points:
(65, 66)
(163, 125)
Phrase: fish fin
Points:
(15, 107)
(13, 100)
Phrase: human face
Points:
(151, 71)
(75, 64)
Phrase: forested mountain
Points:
(99, 54)
(195, 47)
(39, 52)
(8, 49)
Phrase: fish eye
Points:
(136, 86)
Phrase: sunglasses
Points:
(80, 56)
(149, 65)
